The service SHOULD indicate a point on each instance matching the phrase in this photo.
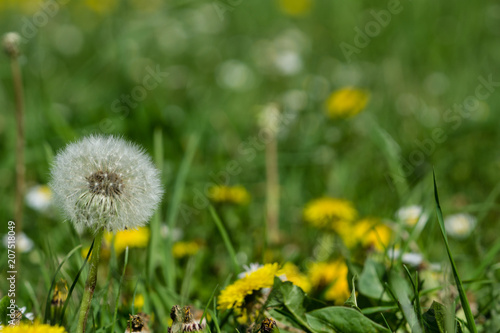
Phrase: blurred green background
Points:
(218, 64)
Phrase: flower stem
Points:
(91, 283)
(272, 192)
(18, 88)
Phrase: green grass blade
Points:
(47, 303)
(463, 297)
(173, 212)
(225, 238)
(208, 304)
(155, 224)
(386, 323)
(186, 281)
(75, 281)
(392, 153)
(214, 318)
(416, 293)
(119, 288)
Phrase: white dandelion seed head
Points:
(105, 181)
(459, 226)
(10, 43)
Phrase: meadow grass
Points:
(213, 74)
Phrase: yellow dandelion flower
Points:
(329, 213)
(295, 7)
(229, 194)
(139, 301)
(346, 102)
(338, 291)
(102, 6)
(130, 238)
(368, 232)
(185, 249)
(234, 295)
(292, 273)
(333, 276)
(105, 253)
(60, 293)
(33, 328)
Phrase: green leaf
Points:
(369, 283)
(351, 301)
(342, 319)
(290, 301)
(403, 294)
(438, 318)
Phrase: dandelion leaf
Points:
(370, 283)
(291, 302)
(437, 318)
(342, 319)
(351, 301)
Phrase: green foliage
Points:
(307, 314)
(4, 303)
(438, 319)
(201, 124)
(340, 319)
(370, 281)
(461, 291)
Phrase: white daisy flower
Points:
(459, 226)
(409, 258)
(249, 269)
(105, 181)
(23, 242)
(410, 215)
(28, 315)
(39, 197)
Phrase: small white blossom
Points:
(288, 62)
(23, 242)
(459, 226)
(28, 315)
(410, 215)
(409, 258)
(105, 181)
(39, 197)
(177, 234)
(249, 269)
